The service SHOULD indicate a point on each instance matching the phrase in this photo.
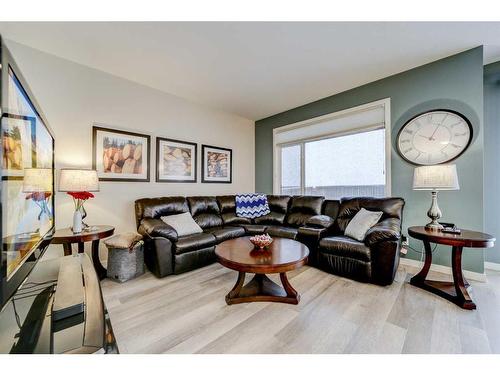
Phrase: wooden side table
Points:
(455, 291)
(66, 237)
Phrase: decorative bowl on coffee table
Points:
(261, 241)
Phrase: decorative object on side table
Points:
(261, 241)
(79, 183)
(120, 155)
(435, 178)
(216, 164)
(457, 290)
(38, 184)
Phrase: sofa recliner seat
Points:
(193, 242)
(282, 231)
(317, 222)
(225, 233)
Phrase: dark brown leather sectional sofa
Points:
(315, 221)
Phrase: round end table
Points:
(455, 291)
(66, 237)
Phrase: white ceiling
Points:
(255, 69)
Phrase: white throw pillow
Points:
(361, 223)
(183, 224)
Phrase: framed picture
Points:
(120, 155)
(18, 145)
(217, 164)
(175, 160)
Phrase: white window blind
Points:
(338, 155)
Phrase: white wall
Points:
(73, 97)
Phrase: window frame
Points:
(386, 124)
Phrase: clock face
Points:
(434, 137)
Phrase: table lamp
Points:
(435, 178)
(37, 184)
(79, 183)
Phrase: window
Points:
(352, 162)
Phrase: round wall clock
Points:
(434, 137)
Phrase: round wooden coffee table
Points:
(283, 255)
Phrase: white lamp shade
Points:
(77, 180)
(436, 177)
(37, 180)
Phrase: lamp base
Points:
(434, 214)
(434, 225)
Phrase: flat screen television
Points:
(27, 178)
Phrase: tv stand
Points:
(29, 323)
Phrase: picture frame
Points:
(176, 161)
(216, 165)
(18, 145)
(120, 155)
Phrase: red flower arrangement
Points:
(81, 195)
(79, 198)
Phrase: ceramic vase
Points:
(77, 222)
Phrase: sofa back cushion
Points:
(390, 207)
(278, 205)
(227, 207)
(154, 208)
(331, 208)
(302, 208)
(205, 211)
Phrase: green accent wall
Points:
(456, 83)
(492, 156)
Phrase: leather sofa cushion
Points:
(345, 247)
(226, 233)
(320, 221)
(390, 207)
(387, 230)
(272, 218)
(331, 208)
(226, 203)
(153, 208)
(252, 229)
(278, 205)
(302, 208)
(227, 207)
(284, 232)
(157, 228)
(205, 211)
(193, 242)
(232, 219)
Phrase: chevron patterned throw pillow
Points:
(251, 205)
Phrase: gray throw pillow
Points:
(183, 224)
(361, 223)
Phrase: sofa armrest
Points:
(319, 221)
(157, 228)
(387, 230)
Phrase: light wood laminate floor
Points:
(187, 314)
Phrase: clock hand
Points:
(437, 127)
(432, 136)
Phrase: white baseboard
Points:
(492, 266)
(476, 276)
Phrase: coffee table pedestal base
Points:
(262, 289)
